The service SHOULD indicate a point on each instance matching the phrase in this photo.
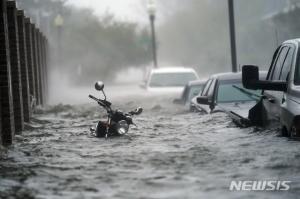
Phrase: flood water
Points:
(171, 154)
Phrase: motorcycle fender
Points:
(101, 129)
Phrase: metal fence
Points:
(23, 70)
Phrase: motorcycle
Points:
(117, 123)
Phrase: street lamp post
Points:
(152, 11)
(59, 22)
(232, 35)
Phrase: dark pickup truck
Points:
(280, 100)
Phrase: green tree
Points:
(99, 47)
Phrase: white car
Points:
(170, 79)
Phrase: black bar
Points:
(154, 48)
(35, 63)
(6, 101)
(13, 36)
(30, 62)
(24, 65)
(232, 35)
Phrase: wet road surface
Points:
(172, 154)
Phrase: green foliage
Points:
(89, 48)
(102, 47)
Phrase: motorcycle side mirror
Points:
(99, 86)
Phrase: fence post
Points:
(35, 63)
(46, 66)
(0, 124)
(13, 36)
(7, 112)
(29, 54)
(44, 59)
(24, 65)
(39, 65)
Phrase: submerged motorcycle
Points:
(117, 123)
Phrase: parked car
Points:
(224, 92)
(192, 89)
(280, 99)
(169, 79)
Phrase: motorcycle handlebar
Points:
(137, 111)
(107, 105)
(94, 98)
(103, 103)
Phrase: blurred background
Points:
(110, 40)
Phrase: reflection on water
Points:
(172, 154)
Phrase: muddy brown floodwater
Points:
(172, 154)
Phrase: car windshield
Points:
(235, 92)
(171, 79)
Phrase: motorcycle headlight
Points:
(122, 127)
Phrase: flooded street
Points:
(171, 154)
(147, 58)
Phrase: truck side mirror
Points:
(250, 76)
(250, 79)
(203, 100)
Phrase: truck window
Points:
(279, 62)
(211, 90)
(205, 90)
(297, 72)
(272, 63)
(287, 65)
